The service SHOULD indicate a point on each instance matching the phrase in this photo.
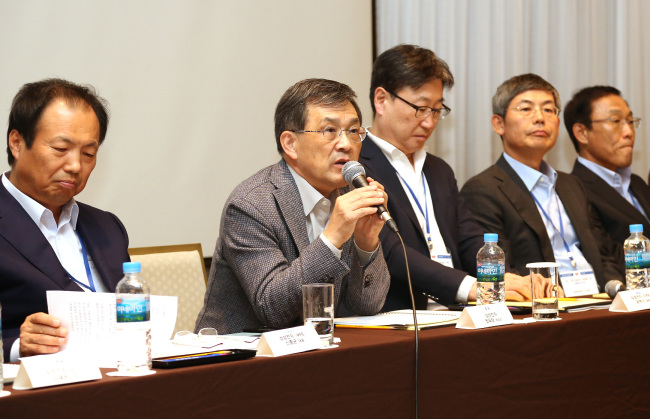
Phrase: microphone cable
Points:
(415, 321)
(355, 175)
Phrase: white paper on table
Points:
(91, 317)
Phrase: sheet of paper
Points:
(565, 303)
(9, 372)
(400, 318)
(90, 320)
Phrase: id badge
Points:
(444, 259)
(578, 283)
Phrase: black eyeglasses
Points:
(422, 112)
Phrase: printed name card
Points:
(631, 300)
(444, 259)
(488, 315)
(52, 370)
(288, 341)
(579, 283)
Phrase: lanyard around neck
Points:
(424, 212)
(561, 230)
(91, 285)
(636, 205)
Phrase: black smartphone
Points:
(212, 357)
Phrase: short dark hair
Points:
(293, 108)
(407, 66)
(578, 110)
(32, 99)
(512, 87)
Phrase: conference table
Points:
(589, 364)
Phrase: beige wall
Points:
(192, 87)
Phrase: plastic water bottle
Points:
(637, 258)
(491, 267)
(133, 328)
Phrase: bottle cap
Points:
(636, 228)
(130, 267)
(490, 237)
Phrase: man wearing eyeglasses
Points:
(439, 233)
(602, 129)
(539, 214)
(296, 222)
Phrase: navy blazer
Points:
(502, 203)
(29, 267)
(462, 235)
(615, 212)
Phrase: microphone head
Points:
(351, 170)
(613, 287)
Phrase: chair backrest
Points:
(175, 270)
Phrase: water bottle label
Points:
(637, 260)
(490, 272)
(132, 309)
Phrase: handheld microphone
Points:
(355, 175)
(613, 287)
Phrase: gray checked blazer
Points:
(263, 257)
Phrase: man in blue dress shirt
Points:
(539, 214)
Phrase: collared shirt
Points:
(62, 237)
(318, 211)
(413, 176)
(619, 180)
(541, 185)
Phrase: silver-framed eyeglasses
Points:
(620, 122)
(330, 133)
(422, 112)
(528, 111)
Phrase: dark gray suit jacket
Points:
(502, 204)
(263, 257)
(29, 267)
(614, 211)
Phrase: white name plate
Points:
(288, 341)
(52, 370)
(631, 300)
(488, 315)
(579, 283)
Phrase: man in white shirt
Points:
(539, 214)
(603, 128)
(296, 222)
(48, 241)
(440, 234)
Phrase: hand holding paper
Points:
(41, 334)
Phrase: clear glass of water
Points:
(544, 280)
(318, 310)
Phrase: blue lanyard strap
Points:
(87, 265)
(636, 204)
(424, 212)
(561, 230)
